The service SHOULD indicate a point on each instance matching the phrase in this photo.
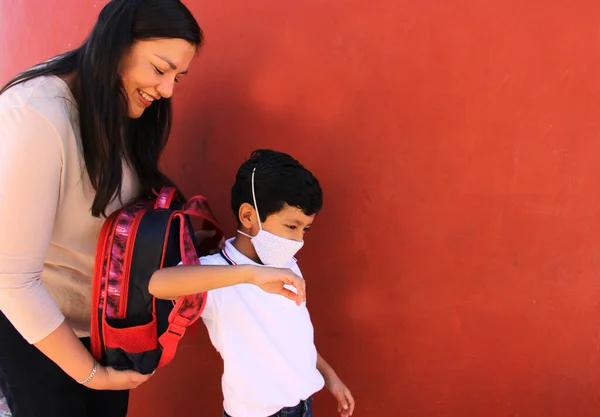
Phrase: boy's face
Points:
(289, 223)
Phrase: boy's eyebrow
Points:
(298, 222)
(171, 64)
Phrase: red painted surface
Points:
(455, 268)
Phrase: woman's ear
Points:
(247, 216)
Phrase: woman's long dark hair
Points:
(108, 135)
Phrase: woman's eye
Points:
(157, 70)
(292, 227)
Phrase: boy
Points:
(271, 367)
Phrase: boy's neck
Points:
(245, 247)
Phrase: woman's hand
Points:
(272, 280)
(202, 236)
(110, 379)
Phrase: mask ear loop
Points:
(254, 198)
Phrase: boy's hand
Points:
(343, 396)
(272, 280)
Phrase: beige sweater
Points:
(47, 233)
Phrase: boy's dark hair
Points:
(279, 180)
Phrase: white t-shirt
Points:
(266, 342)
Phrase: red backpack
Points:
(130, 329)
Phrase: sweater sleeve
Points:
(30, 178)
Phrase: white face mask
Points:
(272, 250)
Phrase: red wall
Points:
(455, 268)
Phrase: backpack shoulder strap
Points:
(197, 206)
(188, 308)
(165, 197)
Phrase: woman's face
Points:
(150, 70)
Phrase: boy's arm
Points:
(172, 282)
(335, 385)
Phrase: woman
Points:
(80, 136)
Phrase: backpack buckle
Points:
(176, 330)
(178, 325)
(169, 341)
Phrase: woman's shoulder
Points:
(45, 96)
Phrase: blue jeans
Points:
(303, 409)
